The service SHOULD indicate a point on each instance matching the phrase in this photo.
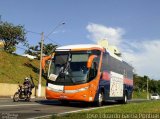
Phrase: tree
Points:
(35, 50)
(140, 84)
(49, 48)
(11, 35)
(154, 86)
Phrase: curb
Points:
(11, 97)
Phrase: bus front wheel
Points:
(100, 100)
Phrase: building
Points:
(29, 56)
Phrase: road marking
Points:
(18, 105)
(63, 113)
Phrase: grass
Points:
(132, 109)
(139, 95)
(14, 68)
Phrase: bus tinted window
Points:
(110, 63)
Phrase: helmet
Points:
(26, 79)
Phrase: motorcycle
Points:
(24, 92)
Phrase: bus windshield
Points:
(69, 68)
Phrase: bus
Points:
(88, 73)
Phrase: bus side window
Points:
(105, 63)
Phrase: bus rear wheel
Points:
(125, 99)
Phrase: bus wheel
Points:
(100, 99)
(125, 97)
(124, 101)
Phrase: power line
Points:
(33, 32)
(47, 37)
(53, 41)
(61, 23)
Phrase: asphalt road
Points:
(41, 107)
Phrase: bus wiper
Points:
(64, 69)
(67, 65)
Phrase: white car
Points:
(155, 96)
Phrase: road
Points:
(41, 107)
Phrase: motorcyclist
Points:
(25, 90)
(28, 85)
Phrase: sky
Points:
(132, 25)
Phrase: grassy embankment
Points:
(132, 110)
(14, 68)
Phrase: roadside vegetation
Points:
(140, 86)
(11, 35)
(139, 95)
(14, 68)
(132, 109)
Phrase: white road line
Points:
(18, 105)
(63, 113)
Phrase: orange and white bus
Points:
(88, 73)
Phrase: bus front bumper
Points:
(82, 94)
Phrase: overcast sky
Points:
(132, 25)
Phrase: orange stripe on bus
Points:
(128, 81)
(106, 76)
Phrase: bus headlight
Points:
(78, 90)
(83, 89)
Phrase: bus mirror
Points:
(90, 60)
(44, 61)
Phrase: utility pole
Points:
(40, 70)
(147, 89)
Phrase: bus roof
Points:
(80, 47)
